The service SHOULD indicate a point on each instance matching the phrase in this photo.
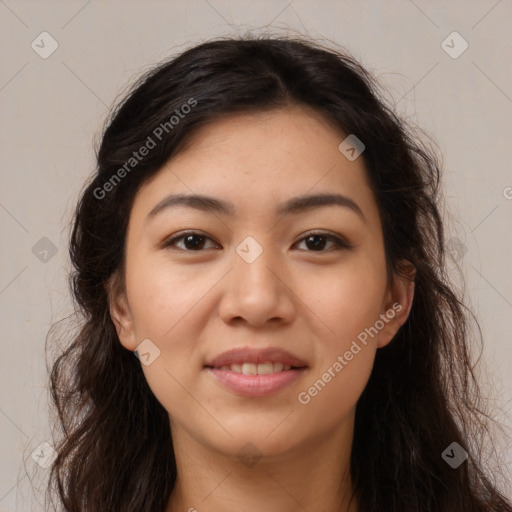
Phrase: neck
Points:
(312, 477)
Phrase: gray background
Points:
(53, 108)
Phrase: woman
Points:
(267, 320)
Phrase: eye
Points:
(192, 241)
(318, 241)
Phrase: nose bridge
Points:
(253, 290)
(252, 263)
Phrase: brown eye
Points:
(192, 241)
(316, 242)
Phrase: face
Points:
(244, 277)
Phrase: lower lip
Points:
(256, 385)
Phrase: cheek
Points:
(350, 307)
(350, 304)
(168, 307)
(346, 300)
(162, 298)
(333, 393)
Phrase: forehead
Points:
(259, 159)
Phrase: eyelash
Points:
(340, 243)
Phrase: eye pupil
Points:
(196, 245)
(315, 245)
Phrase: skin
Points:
(312, 302)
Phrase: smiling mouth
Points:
(251, 372)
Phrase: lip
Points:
(256, 385)
(256, 356)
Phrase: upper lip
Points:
(256, 356)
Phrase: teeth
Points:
(278, 367)
(265, 368)
(249, 369)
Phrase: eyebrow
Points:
(294, 205)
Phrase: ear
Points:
(397, 303)
(120, 312)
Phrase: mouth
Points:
(255, 373)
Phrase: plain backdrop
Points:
(53, 107)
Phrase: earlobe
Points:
(121, 314)
(398, 303)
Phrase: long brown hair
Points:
(115, 451)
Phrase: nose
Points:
(257, 292)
